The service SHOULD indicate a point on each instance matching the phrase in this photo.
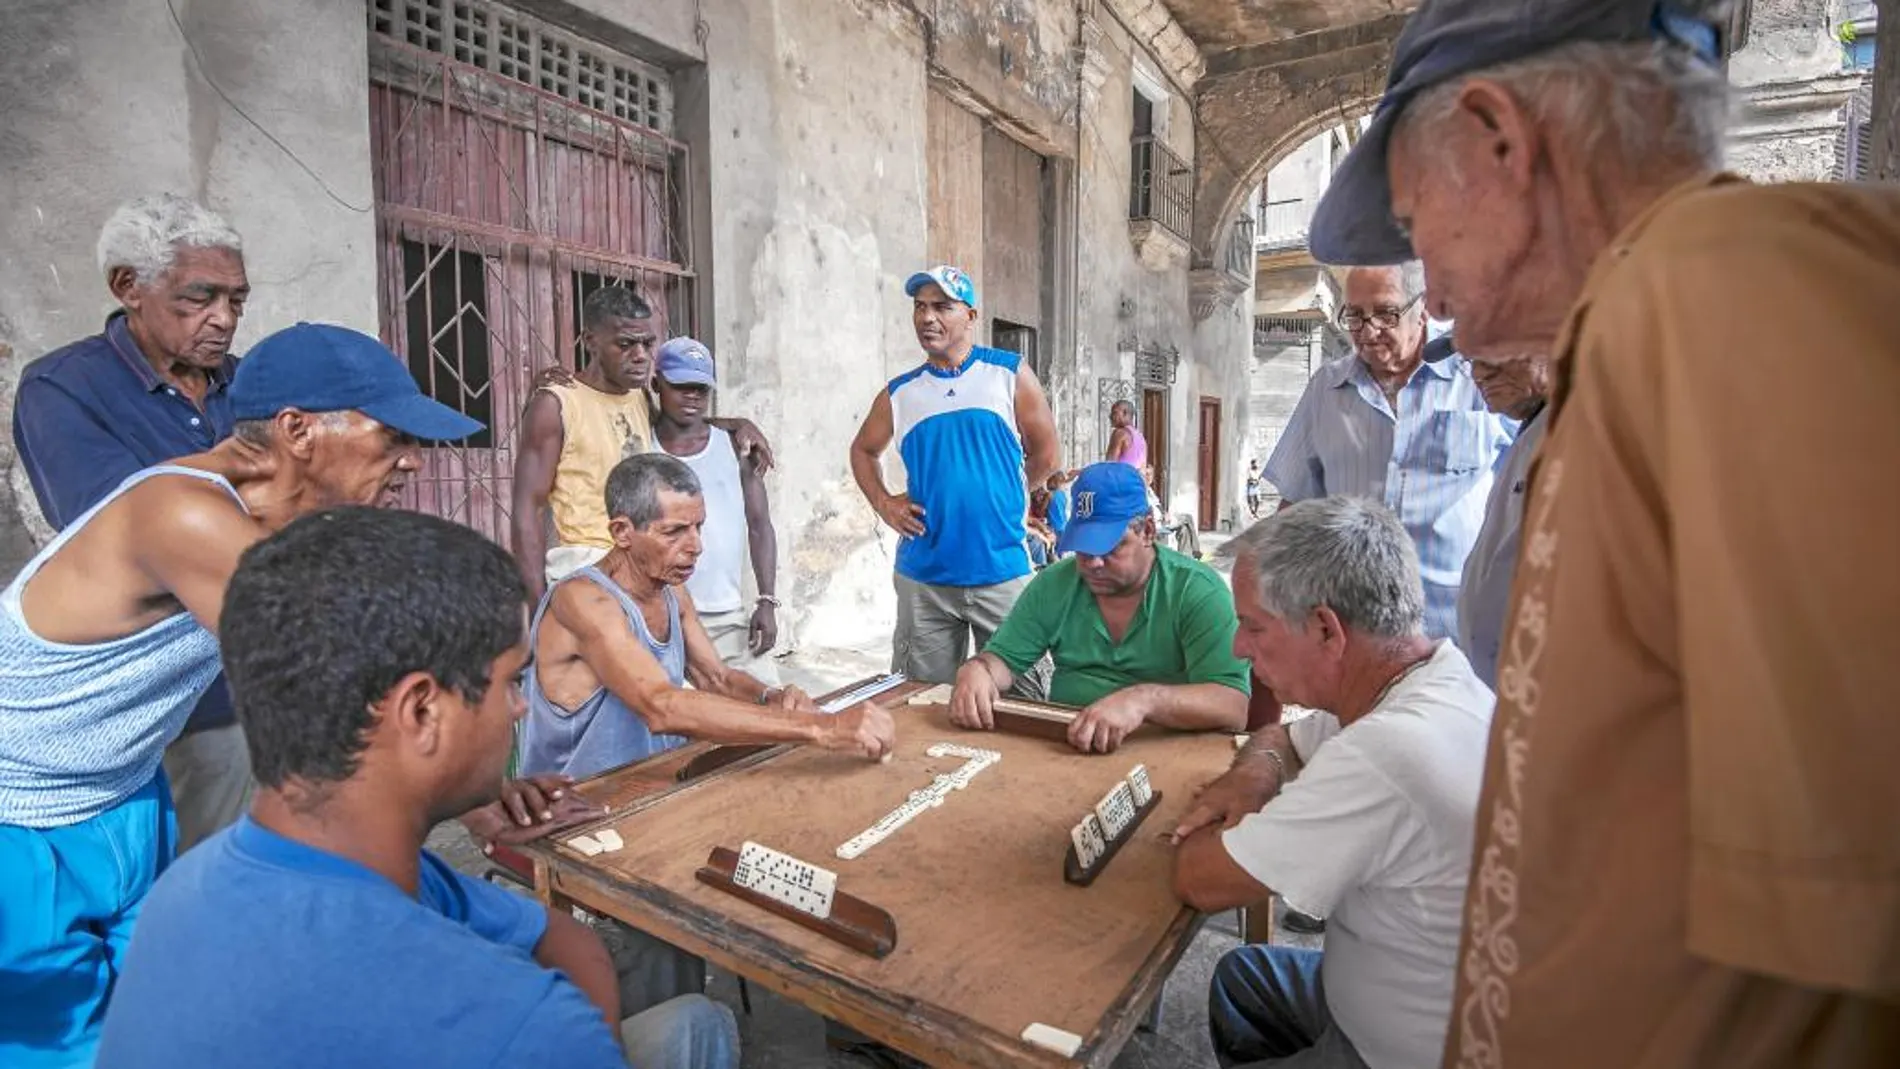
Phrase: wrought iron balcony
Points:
(1283, 224)
(1161, 188)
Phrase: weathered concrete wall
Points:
(106, 101)
(1791, 91)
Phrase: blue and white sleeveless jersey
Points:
(963, 453)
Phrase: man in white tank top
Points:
(738, 514)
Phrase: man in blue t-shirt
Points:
(974, 431)
(373, 657)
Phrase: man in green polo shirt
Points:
(1138, 632)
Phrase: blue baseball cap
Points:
(685, 362)
(1443, 39)
(1107, 497)
(952, 281)
(318, 367)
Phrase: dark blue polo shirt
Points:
(88, 415)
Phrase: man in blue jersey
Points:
(974, 431)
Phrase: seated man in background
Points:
(1138, 632)
(614, 645)
(373, 657)
(1363, 812)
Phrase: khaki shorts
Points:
(729, 631)
(940, 627)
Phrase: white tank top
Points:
(715, 583)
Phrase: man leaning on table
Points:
(1138, 632)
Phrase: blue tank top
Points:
(82, 728)
(963, 462)
(602, 733)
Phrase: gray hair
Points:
(1627, 102)
(1349, 554)
(633, 487)
(144, 234)
(1411, 277)
(262, 432)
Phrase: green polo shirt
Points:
(1182, 633)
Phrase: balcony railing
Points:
(1283, 223)
(1162, 187)
(1240, 248)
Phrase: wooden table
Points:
(990, 937)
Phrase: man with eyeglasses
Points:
(1400, 422)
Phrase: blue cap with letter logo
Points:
(318, 367)
(1107, 497)
(685, 362)
(954, 283)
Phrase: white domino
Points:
(586, 844)
(924, 798)
(798, 884)
(609, 839)
(1055, 1039)
(1116, 809)
(1139, 786)
(1090, 843)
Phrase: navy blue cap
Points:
(685, 362)
(1108, 497)
(1443, 39)
(318, 367)
(954, 283)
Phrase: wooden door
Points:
(1209, 461)
(1154, 427)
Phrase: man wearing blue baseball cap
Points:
(738, 513)
(1139, 633)
(1685, 845)
(974, 431)
(109, 636)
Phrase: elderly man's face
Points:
(354, 460)
(667, 549)
(1480, 206)
(1294, 661)
(189, 313)
(1378, 293)
(1513, 386)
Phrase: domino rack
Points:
(858, 924)
(1072, 870)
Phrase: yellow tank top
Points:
(598, 431)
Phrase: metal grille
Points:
(1155, 367)
(1284, 330)
(499, 206)
(527, 50)
(1161, 186)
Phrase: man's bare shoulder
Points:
(184, 507)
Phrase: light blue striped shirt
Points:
(1486, 597)
(1430, 463)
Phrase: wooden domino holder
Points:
(858, 924)
(1072, 870)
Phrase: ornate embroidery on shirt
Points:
(1491, 955)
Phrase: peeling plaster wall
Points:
(1791, 90)
(105, 102)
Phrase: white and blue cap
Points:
(685, 362)
(954, 283)
(1443, 39)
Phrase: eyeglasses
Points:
(1352, 319)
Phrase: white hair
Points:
(1349, 554)
(144, 234)
(1629, 103)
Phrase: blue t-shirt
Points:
(963, 462)
(254, 949)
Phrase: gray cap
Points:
(1446, 38)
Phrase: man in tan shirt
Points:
(1688, 851)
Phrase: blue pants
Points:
(688, 1032)
(68, 899)
(1266, 1008)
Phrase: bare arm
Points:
(704, 666)
(627, 668)
(572, 948)
(1041, 452)
(980, 681)
(1205, 875)
(189, 543)
(762, 541)
(1117, 444)
(749, 440)
(535, 461)
(1208, 879)
(874, 436)
(1102, 726)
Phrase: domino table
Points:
(958, 844)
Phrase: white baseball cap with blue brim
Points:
(1443, 39)
(953, 282)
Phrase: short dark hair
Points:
(613, 302)
(1129, 405)
(322, 618)
(633, 487)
